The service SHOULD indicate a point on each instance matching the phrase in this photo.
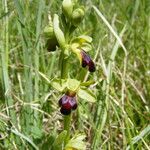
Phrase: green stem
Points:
(67, 123)
(62, 40)
(64, 73)
(63, 65)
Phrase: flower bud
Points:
(52, 42)
(77, 16)
(49, 32)
(67, 7)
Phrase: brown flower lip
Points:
(67, 104)
(87, 61)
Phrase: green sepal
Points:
(76, 50)
(49, 32)
(59, 84)
(77, 16)
(58, 32)
(86, 94)
(82, 42)
(73, 84)
(63, 85)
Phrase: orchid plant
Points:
(59, 34)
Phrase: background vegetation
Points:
(29, 113)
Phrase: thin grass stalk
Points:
(27, 113)
(102, 111)
(37, 120)
(5, 73)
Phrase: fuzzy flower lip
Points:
(67, 104)
(87, 61)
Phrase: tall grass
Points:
(29, 115)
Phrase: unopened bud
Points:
(77, 16)
(67, 7)
(49, 32)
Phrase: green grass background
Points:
(29, 114)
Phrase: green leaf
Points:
(87, 95)
(59, 142)
(16, 132)
(47, 142)
(59, 84)
(76, 142)
(37, 133)
(73, 84)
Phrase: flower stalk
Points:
(64, 68)
(68, 45)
